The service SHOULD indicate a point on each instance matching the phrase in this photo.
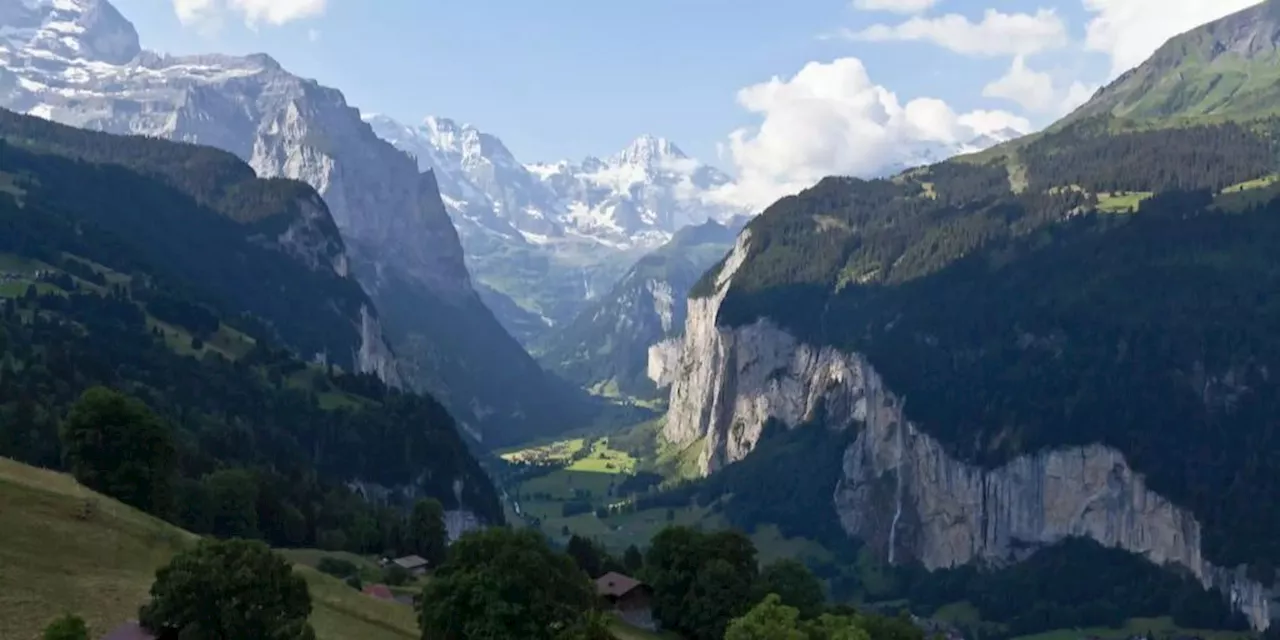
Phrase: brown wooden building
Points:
(629, 598)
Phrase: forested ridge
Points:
(136, 282)
(157, 223)
(1037, 317)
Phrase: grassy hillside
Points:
(66, 549)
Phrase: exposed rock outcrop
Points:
(900, 490)
(78, 62)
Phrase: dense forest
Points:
(1076, 583)
(170, 297)
(192, 217)
(1017, 321)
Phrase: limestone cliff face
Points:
(900, 491)
(903, 493)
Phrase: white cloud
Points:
(831, 119)
(997, 34)
(1129, 31)
(1036, 91)
(253, 12)
(895, 6)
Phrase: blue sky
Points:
(567, 78)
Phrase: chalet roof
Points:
(411, 562)
(379, 591)
(129, 631)
(616, 585)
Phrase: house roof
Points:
(129, 631)
(616, 585)
(411, 562)
(379, 591)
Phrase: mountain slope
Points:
(606, 347)
(1229, 68)
(127, 281)
(79, 62)
(264, 249)
(1077, 319)
(47, 538)
(550, 237)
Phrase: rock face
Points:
(900, 490)
(78, 62)
(607, 345)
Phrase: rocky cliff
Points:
(900, 490)
(79, 62)
(607, 345)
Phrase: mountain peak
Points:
(71, 29)
(1225, 68)
(649, 150)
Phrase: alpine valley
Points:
(1048, 352)
(79, 62)
(1016, 386)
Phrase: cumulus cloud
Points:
(895, 6)
(1129, 31)
(253, 12)
(1036, 91)
(997, 34)
(831, 119)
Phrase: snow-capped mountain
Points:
(638, 197)
(931, 152)
(79, 62)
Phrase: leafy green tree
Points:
(589, 557)
(229, 589)
(832, 627)
(68, 627)
(632, 559)
(720, 593)
(428, 536)
(769, 620)
(502, 583)
(593, 625)
(233, 503)
(115, 445)
(795, 584)
(700, 581)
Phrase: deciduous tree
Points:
(114, 444)
(229, 589)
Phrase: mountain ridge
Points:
(1223, 69)
(397, 232)
(997, 292)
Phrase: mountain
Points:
(1226, 69)
(79, 62)
(550, 237)
(169, 272)
(606, 347)
(974, 362)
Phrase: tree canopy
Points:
(427, 536)
(116, 445)
(500, 583)
(229, 589)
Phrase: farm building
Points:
(628, 598)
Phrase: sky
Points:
(779, 93)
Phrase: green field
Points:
(65, 549)
(1122, 201)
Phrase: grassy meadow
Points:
(65, 549)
